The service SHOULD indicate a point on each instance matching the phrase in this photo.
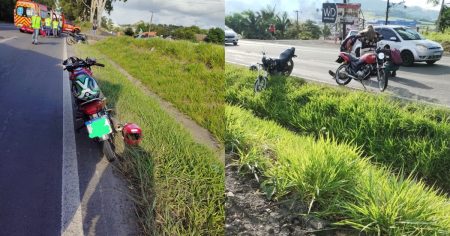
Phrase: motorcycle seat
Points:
(286, 55)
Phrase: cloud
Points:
(204, 13)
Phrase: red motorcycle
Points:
(92, 108)
(362, 68)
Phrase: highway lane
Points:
(31, 150)
(420, 82)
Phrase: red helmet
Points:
(132, 134)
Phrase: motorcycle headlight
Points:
(381, 56)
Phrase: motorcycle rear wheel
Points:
(108, 150)
(289, 67)
(260, 84)
(382, 78)
(338, 75)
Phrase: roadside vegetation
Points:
(177, 184)
(188, 75)
(333, 179)
(406, 137)
(441, 37)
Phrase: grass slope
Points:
(187, 74)
(178, 184)
(407, 136)
(334, 180)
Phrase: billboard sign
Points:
(348, 13)
(329, 13)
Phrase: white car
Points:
(231, 36)
(412, 45)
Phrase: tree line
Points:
(255, 25)
(213, 35)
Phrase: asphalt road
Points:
(421, 82)
(36, 174)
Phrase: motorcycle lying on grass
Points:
(92, 109)
(362, 68)
(279, 66)
(73, 38)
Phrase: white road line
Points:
(4, 40)
(71, 218)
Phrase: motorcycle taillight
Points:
(93, 107)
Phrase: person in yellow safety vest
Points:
(60, 26)
(36, 25)
(48, 25)
(55, 24)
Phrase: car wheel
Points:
(408, 58)
(431, 62)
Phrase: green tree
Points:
(282, 24)
(216, 35)
(309, 30)
(128, 31)
(326, 31)
(441, 12)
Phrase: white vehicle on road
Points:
(412, 45)
(231, 36)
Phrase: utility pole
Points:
(387, 12)
(298, 30)
(151, 20)
(344, 25)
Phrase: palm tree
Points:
(435, 3)
(282, 23)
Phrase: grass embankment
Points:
(443, 38)
(178, 184)
(333, 180)
(412, 137)
(188, 75)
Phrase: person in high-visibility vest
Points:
(48, 25)
(60, 26)
(55, 25)
(36, 25)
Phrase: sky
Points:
(307, 7)
(203, 13)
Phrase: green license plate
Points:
(98, 127)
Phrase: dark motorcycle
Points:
(73, 38)
(92, 108)
(279, 66)
(362, 68)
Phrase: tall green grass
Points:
(333, 180)
(187, 74)
(178, 184)
(407, 136)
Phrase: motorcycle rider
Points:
(368, 38)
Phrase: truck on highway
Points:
(25, 9)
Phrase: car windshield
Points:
(408, 34)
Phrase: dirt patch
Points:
(248, 212)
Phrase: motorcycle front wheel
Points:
(289, 67)
(382, 80)
(341, 76)
(108, 150)
(70, 40)
(260, 83)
